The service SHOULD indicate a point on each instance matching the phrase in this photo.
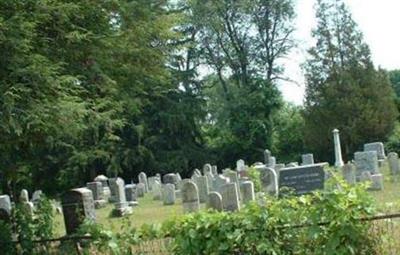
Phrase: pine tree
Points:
(343, 89)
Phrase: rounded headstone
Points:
(214, 201)
(190, 197)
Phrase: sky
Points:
(379, 20)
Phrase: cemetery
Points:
(193, 127)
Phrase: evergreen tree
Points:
(343, 89)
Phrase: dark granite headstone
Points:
(303, 179)
(78, 206)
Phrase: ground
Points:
(153, 211)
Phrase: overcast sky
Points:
(379, 20)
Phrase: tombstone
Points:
(210, 181)
(366, 161)
(267, 156)
(171, 178)
(247, 191)
(113, 189)
(98, 194)
(214, 170)
(378, 147)
(77, 206)
(240, 165)
(37, 194)
(349, 174)
(140, 189)
(337, 148)
(26, 205)
(307, 159)
(271, 162)
(150, 182)
(279, 167)
(293, 164)
(269, 179)
(394, 167)
(214, 201)
(233, 177)
(377, 182)
(168, 194)
(190, 197)
(303, 179)
(121, 205)
(104, 183)
(143, 179)
(130, 194)
(24, 196)
(196, 172)
(156, 190)
(219, 181)
(230, 198)
(207, 168)
(202, 186)
(5, 208)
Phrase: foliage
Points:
(343, 89)
(254, 176)
(393, 143)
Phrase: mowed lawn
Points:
(151, 211)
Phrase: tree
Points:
(343, 89)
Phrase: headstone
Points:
(207, 168)
(202, 186)
(143, 179)
(168, 194)
(24, 196)
(130, 194)
(190, 197)
(230, 199)
(98, 194)
(196, 172)
(271, 162)
(269, 179)
(366, 161)
(349, 173)
(121, 205)
(240, 165)
(104, 183)
(77, 206)
(5, 208)
(303, 179)
(247, 191)
(338, 149)
(140, 189)
(113, 189)
(214, 170)
(307, 159)
(378, 147)
(214, 201)
(267, 156)
(156, 190)
(210, 181)
(151, 180)
(394, 167)
(293, 164)
(233, 177)
(377, 182)
(171, 178)
(179, 181)
(36, 196)
(219, 181)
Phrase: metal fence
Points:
(384, 227)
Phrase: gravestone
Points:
(24, 196)
(338, 149)
(377, 181)
(5, 208)
(378, 147)
(151, 180)
(230, 199)
(168, 194)
(214, 201)
(171, 178)
(269, 179)
(156, 190)
(240, 165)
(190, 197)
(130, 194)
(26, 205)
(207, 168)
(349, 173)
(104, 183)
(303, 179)
(394, 167)
(307, 159)
(113, 189)
(247, 191)
(214, 170)
(210, 181)
(202, 186)
(143, 179)
(121, 206)
(267, 156)
(77, 206)
(233, 177)
(293, 164)
(279, 167)
(219, 181)
(98, 194)
(366, 161)
(272, 162)
(140, 189)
